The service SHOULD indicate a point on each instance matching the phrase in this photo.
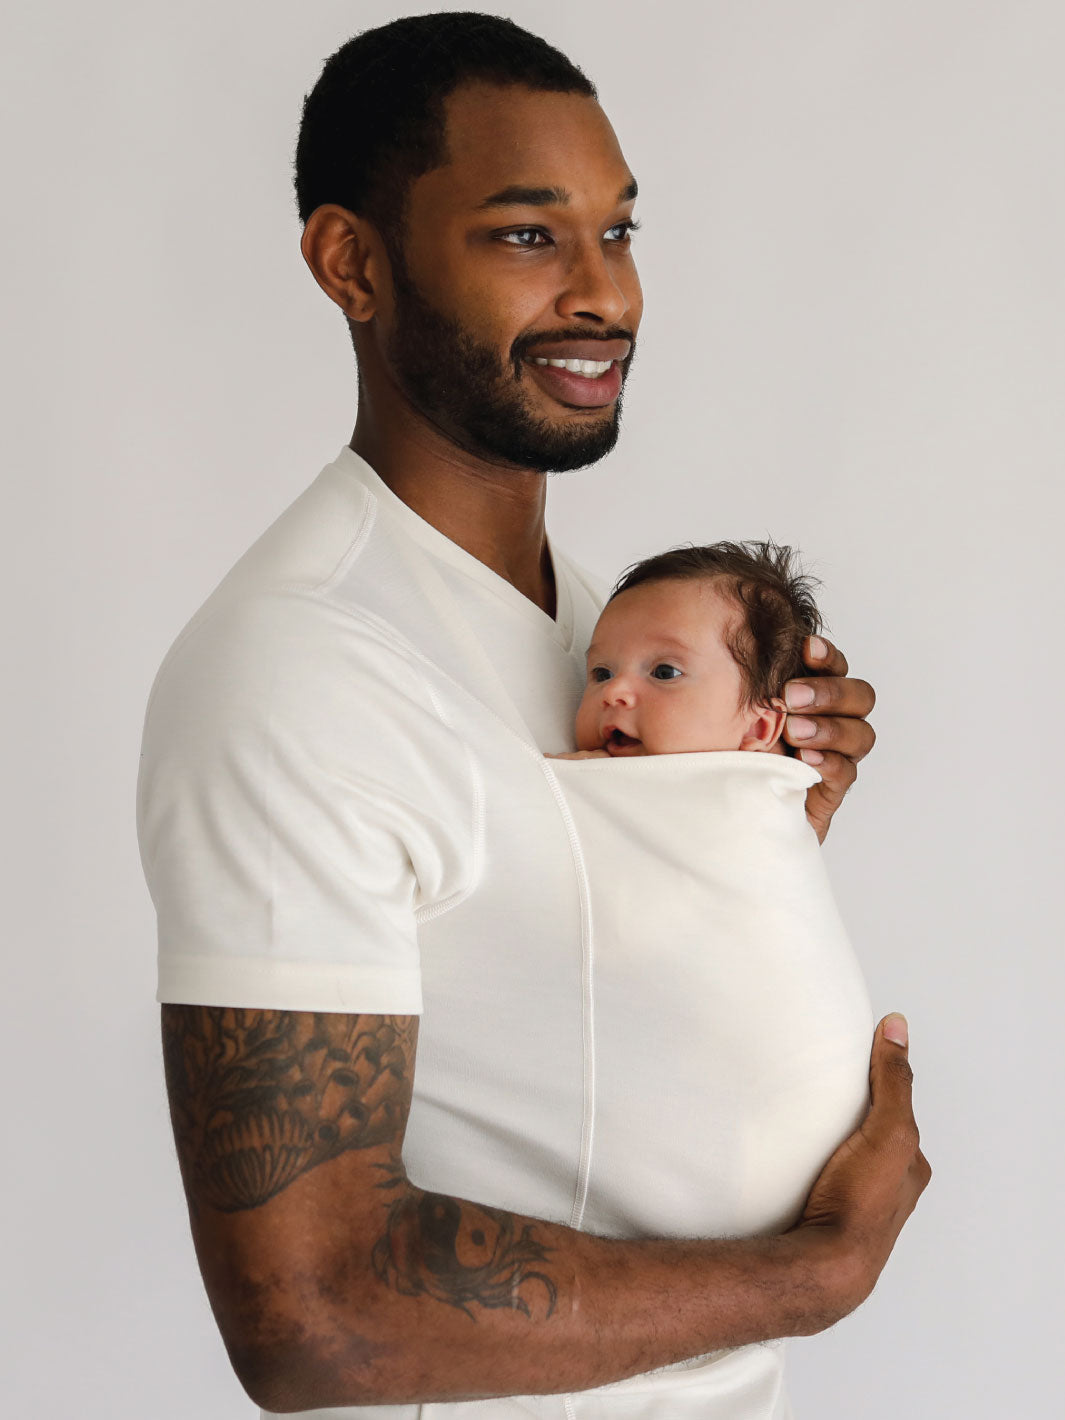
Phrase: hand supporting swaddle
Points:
(871, 1184)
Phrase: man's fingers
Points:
(829, 714)
(853, 738)
(822, 657)
(826, 723)
(890, 1076)
(837, 773)
(896, 1028)
(891, 1083)
(830, 695)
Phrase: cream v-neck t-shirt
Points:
(344, 806)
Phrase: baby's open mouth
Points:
(618, 742)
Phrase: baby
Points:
(692, 652)
(707, 916)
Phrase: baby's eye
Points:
(599, 673)
(664, 671)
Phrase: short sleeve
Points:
(301, 797)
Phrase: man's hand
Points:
(871, 1184)
(831, 734)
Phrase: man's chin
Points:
(574, 442)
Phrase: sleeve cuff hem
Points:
(262, 984)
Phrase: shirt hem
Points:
(260, 984)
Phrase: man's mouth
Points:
(619, 744)
(592, 369)
(584, 374)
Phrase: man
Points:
(347, 826)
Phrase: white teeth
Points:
(590, 368)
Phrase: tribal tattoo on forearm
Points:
(260, 1097)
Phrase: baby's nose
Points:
(618, 690)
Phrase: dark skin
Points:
(334, 1277)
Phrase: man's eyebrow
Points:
(518, 196)
(527, 197)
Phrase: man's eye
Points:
(622, 231)
(665, 672)
(599, 673)
(525, 237)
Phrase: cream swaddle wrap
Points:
(730, 1026)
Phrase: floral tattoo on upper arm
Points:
(260, 1097)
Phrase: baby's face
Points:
(661, 679)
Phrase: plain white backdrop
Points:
(854, 221)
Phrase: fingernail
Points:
(800, 728)
(811, 756)
(796, 695)
(818, 649)
(896, 1029)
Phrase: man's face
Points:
(517, 254)
(661, 678)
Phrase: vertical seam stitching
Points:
(580, 1198)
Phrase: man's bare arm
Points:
(336, 1280)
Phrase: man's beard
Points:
(465, 390)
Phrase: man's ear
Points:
(765, 726)
(348, 260)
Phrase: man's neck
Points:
(494, 513)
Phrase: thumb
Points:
(895, 1029)
(890, 1076)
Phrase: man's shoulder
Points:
(290, 612)
(265, 662)
(299, 553)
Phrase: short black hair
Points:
(375, 119)
(774, 596)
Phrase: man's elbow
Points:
(287, 1376)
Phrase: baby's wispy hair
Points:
(768, 587)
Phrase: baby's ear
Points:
(765, 725)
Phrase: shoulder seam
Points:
(354, 548)
(203, 616)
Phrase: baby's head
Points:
(693, 649)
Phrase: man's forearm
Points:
(451, 1300)
(336, 1281)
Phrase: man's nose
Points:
(593, 291)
